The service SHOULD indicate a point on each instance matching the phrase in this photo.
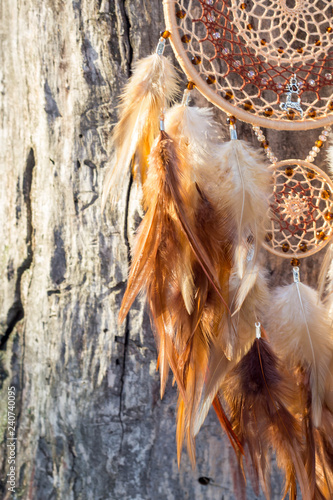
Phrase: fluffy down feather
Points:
(152, 86)
(195, 129)
(300, 331)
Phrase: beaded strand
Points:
(312, 153)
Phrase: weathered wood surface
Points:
(90, 424)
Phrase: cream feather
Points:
(196, 129)
(246, 190)
(152, 86)
(300, 332)
(242, 188)
(250, 296)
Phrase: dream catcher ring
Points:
(301, 210)
(270, 65)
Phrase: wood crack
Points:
(124, 28)
(16, 312)
(127, 332)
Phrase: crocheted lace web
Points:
(301, 210)
(248, 52)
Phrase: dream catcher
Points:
(262, 358)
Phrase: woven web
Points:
(301, 210)
(249, 51)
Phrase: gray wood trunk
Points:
(90, 423)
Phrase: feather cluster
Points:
(191, 258)
(197, 258)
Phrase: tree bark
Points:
(90, 423)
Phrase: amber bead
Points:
(303, 247)
(285, 247)
(295, 262)
(264, 144)
(329, 216)
(321, 235)
(291, 114)
(325, 194)
(268, 111)
(330, 106)
(300, 50)
(263, 41)
(268, 237)
(311, 174)
(248, 105)
(231, 120)
(243, 5)
(165, 34)
(319, 144)
(196, 60)
(211, 80)
(317, 43)
(228, 95)
(289, 171)
(186, 39)
(280, 50)
(249, 27)
(329, 29)
(312, 113)
(181, 14)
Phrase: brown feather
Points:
(179, 240)
(226, 426)
(257, 394)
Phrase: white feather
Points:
(300, 331)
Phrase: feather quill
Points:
(152, 86)
(300, 333)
